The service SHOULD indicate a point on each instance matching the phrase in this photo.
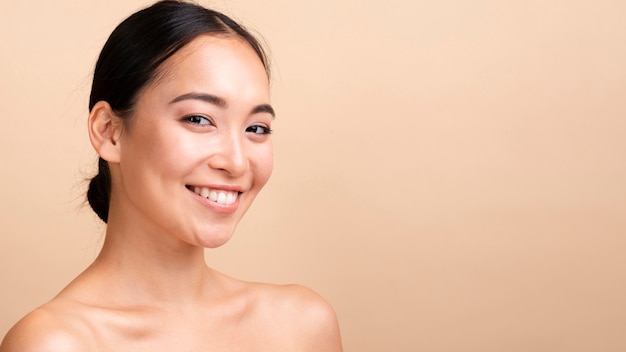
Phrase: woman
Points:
(180, 116)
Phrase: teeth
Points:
(220, 197)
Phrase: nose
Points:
(230, 156)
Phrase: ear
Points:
(105, 130)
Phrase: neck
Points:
(148, 266)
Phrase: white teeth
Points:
(220, 197)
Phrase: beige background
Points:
(449, 174)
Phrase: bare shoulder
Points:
(297, 303)
(301, 313)
(43, 330)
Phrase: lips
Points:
(215, 195)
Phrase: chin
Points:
(214, 243)
(214, 239)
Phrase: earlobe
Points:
(105, 130)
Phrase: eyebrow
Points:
(264, 108)
(209, 98)
(215, 100)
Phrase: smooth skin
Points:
(202, 123)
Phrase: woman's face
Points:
(197, 149)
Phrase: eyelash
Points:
(255, 129)
(196, 120)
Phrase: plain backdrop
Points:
(450, 175)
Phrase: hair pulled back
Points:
(132, 55)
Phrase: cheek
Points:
(267, 169)
(263, 164)
(157, 152)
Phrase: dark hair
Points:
(132, 56)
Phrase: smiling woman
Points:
(180, 116)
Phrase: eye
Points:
(258, 129)
(197, 120)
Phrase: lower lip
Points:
(217, 207)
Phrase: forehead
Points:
(225, 65)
